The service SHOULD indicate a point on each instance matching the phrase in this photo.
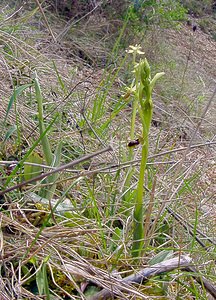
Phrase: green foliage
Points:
(9, 133)
(161, 256)
(17, 92)
(31, 170)
(45, 142)
(52, 160)
(163, 13)
(28, 153)
(42, 280)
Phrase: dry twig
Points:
(143, 275)
(59, 169)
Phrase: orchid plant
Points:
(141, 89)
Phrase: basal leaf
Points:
(18, 90)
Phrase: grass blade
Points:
(15, 94)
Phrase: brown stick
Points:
(141, 276)
(45, 19)
(182, 262)
(202, 280)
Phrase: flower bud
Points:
(146, 68)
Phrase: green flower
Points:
(129, 91)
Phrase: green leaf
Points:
(48, 193)
(40, 281)
(161, 256)
(33, 260)
(20, 164)
(31, 171)
(15, 94)
(117, 235)
(46, 259)
(91, 291)
(59, 78)
(46, 283)
(44, 141)
(10, 131)
(156, 77)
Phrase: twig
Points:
(45, 19)
(181, 149)
(113, 167)
(142, 276)
(61, 168)
(202, 280)
(186, 225)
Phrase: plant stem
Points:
(138, 232)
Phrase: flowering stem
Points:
(144, 87)
(141, 89)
